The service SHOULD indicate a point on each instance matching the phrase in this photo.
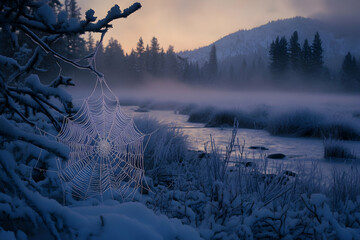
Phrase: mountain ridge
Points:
(256, 41)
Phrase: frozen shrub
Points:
(164, 146)
(201, 115)
(223, 118)
(345, 186)
(300, 123)
(340, 130)
(336, 149)
(304, 123)
(185, 109)
(261, 116)
(225, 197)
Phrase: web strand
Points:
(106, 148)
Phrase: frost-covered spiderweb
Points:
(106, 148)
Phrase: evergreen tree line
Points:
(151, 60)
(143, 61)
(290, 56)
(350, 73)
(307, 61)
(286, 58)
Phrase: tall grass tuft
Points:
(165, 146)
(336, 149)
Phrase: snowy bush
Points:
(305, 123)
(212, 117)
(201, 114)
(232, 198)
(165, 146)
(300, 123)
(336, 149)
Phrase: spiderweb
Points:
(106, 148)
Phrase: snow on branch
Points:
(39, 21)
(45, 20)
(113, 14)
(33, 82)
(11, 132)
(7, 61)
(48, 49)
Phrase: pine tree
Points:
(349, 72)
(162, 62)
(147, 57)
(283, 53)
(140, 57)
(274, 55)
(213, 62)
(72, 8)
(306, 57)
(140, 48)
(279, 57)
(114, 58)
(171, 65)
(132, 65)
(317, 54)
(114, 49)
(90, 43)
(74, 43)
(295, 52)
(155, 56)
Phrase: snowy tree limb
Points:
(22, 95)
(10, 131)
(87, 25)
(48, 49)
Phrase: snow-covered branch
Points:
(9, 131)
(34, 18)
(45, 19)
(48, 49)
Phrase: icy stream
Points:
(297, 150)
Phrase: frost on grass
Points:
(336, 149)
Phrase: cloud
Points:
(343, 15)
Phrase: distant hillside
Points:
(256, 41)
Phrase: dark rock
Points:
(141, 109)
(290, 173)
(250, 164)
(202, 155)
(258, 148)
(276, 156)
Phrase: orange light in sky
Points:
(189, 24)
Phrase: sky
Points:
(190, 24)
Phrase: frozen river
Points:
(198, 135)
(298, 150)
(334, 106)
